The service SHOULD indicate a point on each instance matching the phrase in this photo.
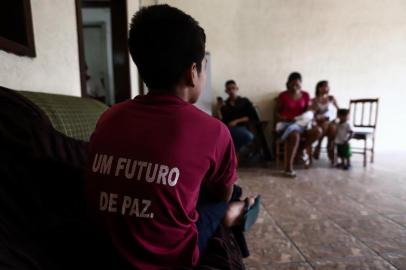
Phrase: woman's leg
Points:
(292, 144)
(311, 136)
(331, 135)
(324, 126)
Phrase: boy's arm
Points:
(221, 193)
(350, 133)
(220, 178)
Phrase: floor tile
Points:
(373, 227)
(329, 219)
(315, 232)
(354, 264)
(399, 219)
(399, 261)
(385, 246)
(291, 209)
(282, 266)
(268, 244)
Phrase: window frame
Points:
(19, 48)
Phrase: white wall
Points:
(358, 45)
(56, 67)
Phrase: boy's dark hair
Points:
(163, 42)
(320, 84)
(293, 77)
(343, 112)
(230, 82)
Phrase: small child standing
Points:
(343, 136)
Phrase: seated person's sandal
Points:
(250, 214)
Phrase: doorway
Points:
(103, 52)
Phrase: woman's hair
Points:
(319, 85)
(293, 77)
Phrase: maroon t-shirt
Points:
(148, 159)
(289, 107)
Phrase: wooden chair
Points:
(364, 117)
(280, 147)
(260, 137)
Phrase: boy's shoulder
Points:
(346, 125)
(110, 112)
(203, 117)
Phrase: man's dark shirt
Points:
(241, 108)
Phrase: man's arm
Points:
(238, 121)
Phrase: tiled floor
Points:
(328, 218)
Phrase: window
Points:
(16, 31)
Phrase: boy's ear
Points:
(191, 75)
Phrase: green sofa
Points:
(73, 116)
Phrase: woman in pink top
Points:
(290, 104)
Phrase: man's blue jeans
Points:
(241, 137)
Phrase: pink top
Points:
(148, 158)
(289, 107)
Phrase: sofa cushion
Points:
(73, 116)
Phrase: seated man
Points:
(149, 157)
(237, 113)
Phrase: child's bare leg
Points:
(340, 162)
(347, 163)
(331, 134)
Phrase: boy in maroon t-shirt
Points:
(151, 158)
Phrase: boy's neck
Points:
(179, 92)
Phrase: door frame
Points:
(121, 61)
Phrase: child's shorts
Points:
(344, 150)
